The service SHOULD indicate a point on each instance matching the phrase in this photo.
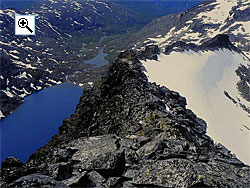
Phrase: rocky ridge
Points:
(78, 28)
(220, 41)
(128, 132)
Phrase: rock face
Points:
(127, 132)
(220, 41)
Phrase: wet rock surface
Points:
(127, 132)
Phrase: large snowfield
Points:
(202, 78)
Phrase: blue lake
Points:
(99, 59)
(34, 123)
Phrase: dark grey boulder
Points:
(37, 180)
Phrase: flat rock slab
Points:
(37, 180)
(96, 153)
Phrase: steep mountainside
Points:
(128, 132)
(206, 21)
(151, 9)
(215, 79)
(199, 24)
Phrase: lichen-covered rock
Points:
(37, 180)
(96, 153)
(74, 181)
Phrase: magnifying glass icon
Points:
(23, 23)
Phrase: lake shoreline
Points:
(37, 119)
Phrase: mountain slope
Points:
(62, 28)
(210, 80)
(206, 21)
(79, 28)
(213, 79)
(151, 9)
(199, 24)
(128, 132)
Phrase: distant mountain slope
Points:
(67, 33)
(198, 24)
(206, 21)
(151, 9)
(16, 4)
(57, 51)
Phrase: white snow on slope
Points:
(220, 14)
(21, 64)
(77, 23)
(23, 75)
(1, 115)
(202, 78)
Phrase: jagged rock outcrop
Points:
(127, 132)
(220, 41)
(243, 85)
(150, 52)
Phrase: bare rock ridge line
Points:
(220, 41)
(128, 132)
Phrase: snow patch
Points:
(202, 78)
(14, 51)
(8, 93)
(77, 23)
(23, 75)
(1, 115)
(48, 71)
(20, 63)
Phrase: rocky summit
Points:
(128, 132)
